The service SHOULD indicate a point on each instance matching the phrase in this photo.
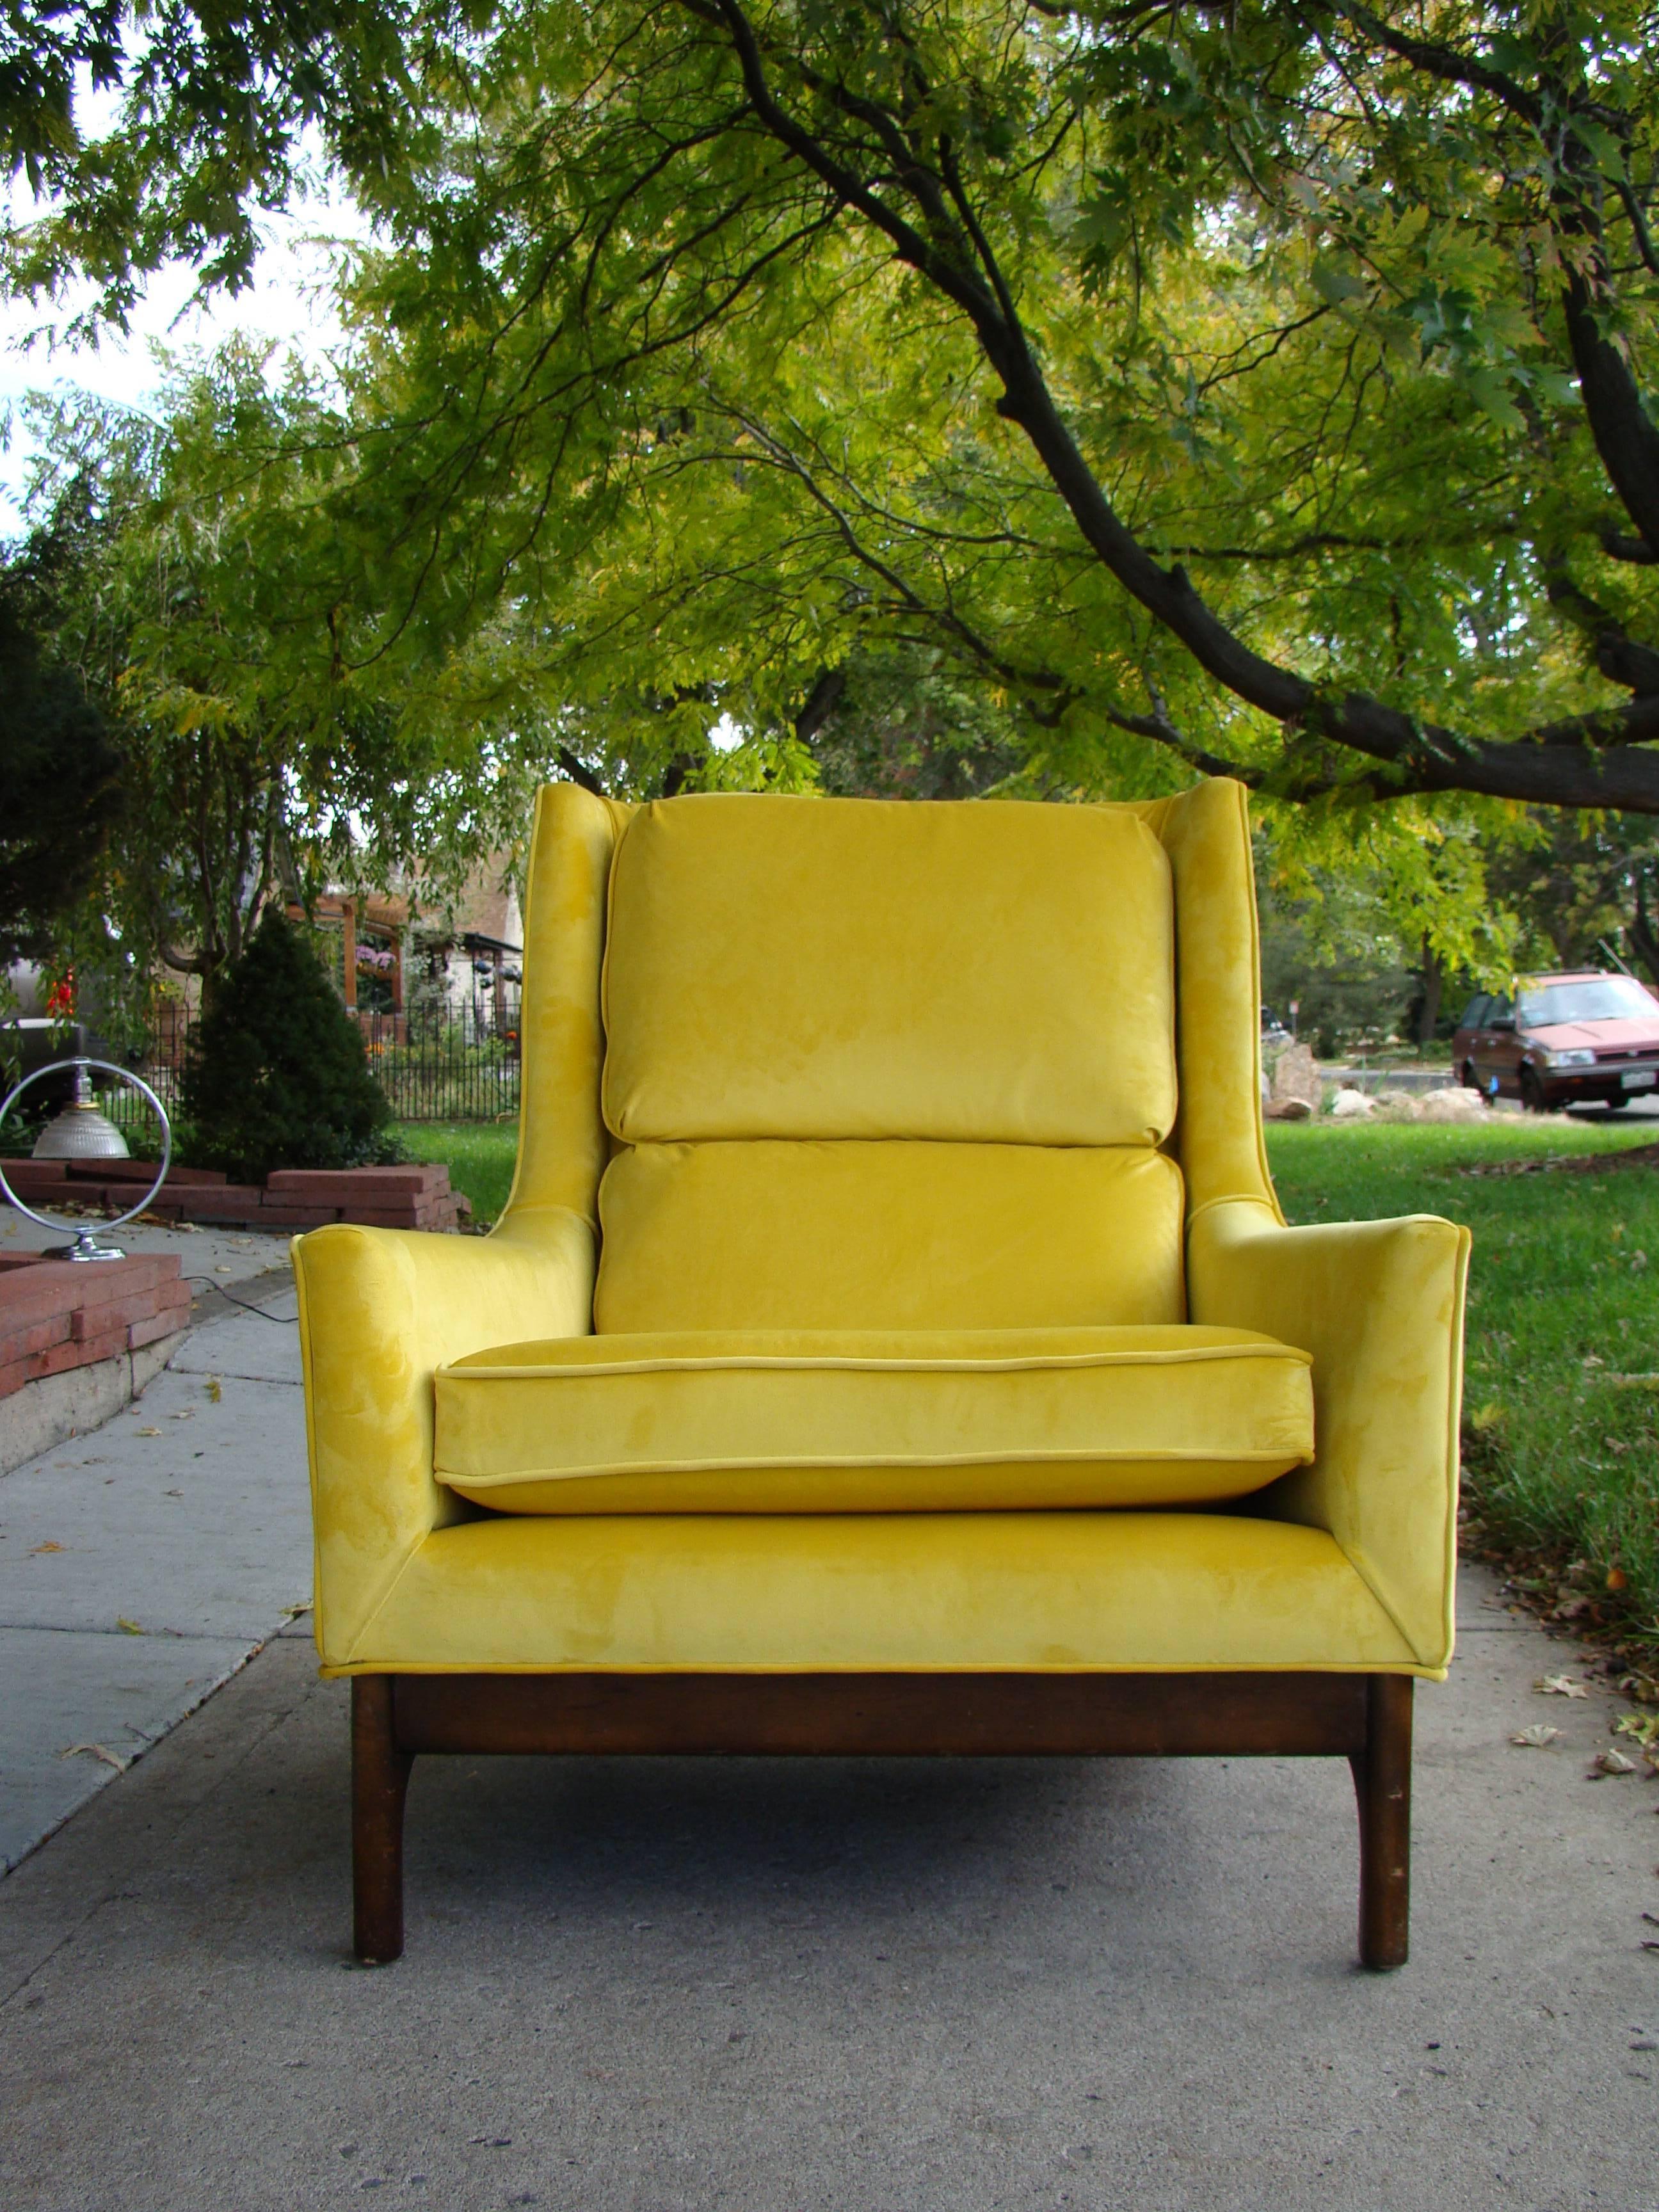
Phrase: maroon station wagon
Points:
(1579, 1040)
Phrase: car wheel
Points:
(1531, 1092)
(1471, 1081)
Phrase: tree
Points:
(1262, 387)
(59, 771)
(1580, 887)
(1258, 386)
(193, 597)
(277, 1076)
(216, 107)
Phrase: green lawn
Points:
(1562, 1453)
(479, 1156)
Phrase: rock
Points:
(1288, 1109)
(1297, 1077)
(1399, 1106)
(1453, 1106)
(1352, 1106)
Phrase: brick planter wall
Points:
(293, 1198)
(58, 1314)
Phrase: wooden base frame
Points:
(1365, 1718)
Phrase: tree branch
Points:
(1587, 761)
(1626, 438)
(578, 772)
(820, 702)
(1617, 547)
(1444, 61)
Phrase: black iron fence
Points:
(461, 1067)
(450, 1061)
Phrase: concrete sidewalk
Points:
(640, 1985)
(141, 1563)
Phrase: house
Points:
(402, 965)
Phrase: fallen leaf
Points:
(96, 1751)
(127, 1627)
(38, 1548)
(1617, 1578)
(1535, 1737)
(1613, 1762)
(1559, 1686)
(149, 1432)
(214, 1388)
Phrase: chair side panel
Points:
(1217, 1135)
(562, 1147)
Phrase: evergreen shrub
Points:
(277, 1076)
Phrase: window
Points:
(1473, 1015)
(1597, 998)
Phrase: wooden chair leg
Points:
(379, 1777)
(1382, 1783)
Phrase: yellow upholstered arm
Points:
(1380, 1306)
(379, 1309)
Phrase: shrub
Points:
(276, 1076)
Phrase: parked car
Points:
(1581, 1040)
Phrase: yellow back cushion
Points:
(806, 967)
(855, 1234)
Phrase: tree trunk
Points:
(1434, 976)
(1643, 942)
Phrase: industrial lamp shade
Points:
(81, 1132)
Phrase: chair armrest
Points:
(379, 1309)
(1380, 1306)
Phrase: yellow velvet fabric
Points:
(1346, 1562)
(561, 1140)
(1380, 1306)
(942, 1592)
(788, 966)
(1218, 1139)
(888, 1235)
(379, 1309)
(775, 1420)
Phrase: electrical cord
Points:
(283, 1321)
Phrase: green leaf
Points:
(1335, 284)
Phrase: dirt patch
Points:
(1638, 1156)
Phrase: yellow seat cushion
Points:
(791, 967)
(781, 1421)
(851, 1235)
(939, 1592)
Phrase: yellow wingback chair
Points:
(892, 1342)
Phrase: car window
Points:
(1498, 1010)
(1474, 1013)
(1598, 999)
